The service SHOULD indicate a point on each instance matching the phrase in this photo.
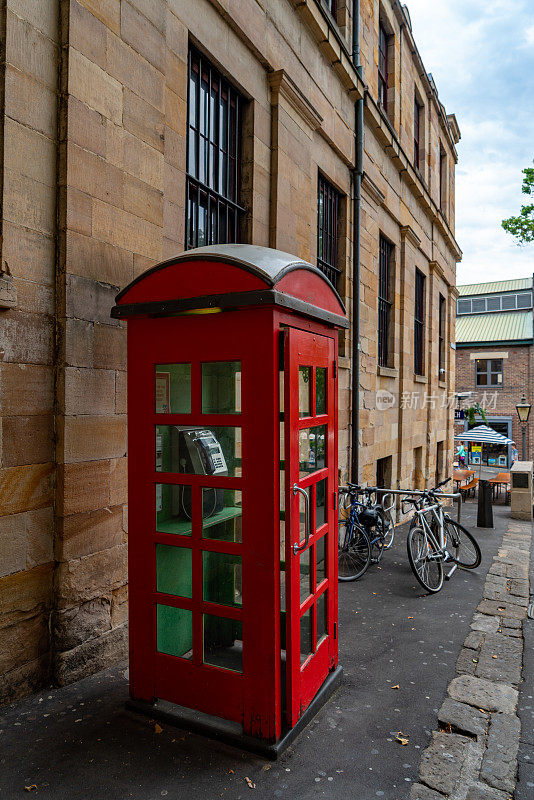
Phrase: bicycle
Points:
(435, 539)
(365, 533)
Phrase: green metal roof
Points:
(495, 286)
(510, 326)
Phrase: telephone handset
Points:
(196, 450)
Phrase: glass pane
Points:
(174, 628)
(320, 503)
(173, 509)
(222, 578)
(221, 387)
(198, 451)
(312, 450)
(174, 573)
(320, 390)
(482, 365)
(223, 642)
(496, 364)
(173, 388)
(305, 575)
(221, 515)
(524, 300)
(482, 379)
(508, 302)
(322, 626)
(493, 303)
(305, 636)
(320, 559)
(305, 391)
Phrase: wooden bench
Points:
(472, 485)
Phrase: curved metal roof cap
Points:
(268, 264)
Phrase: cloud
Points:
(481, 55)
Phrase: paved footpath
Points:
(79, 743)
(474, 753)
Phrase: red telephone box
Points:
(232, 453)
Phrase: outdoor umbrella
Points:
(483, 434)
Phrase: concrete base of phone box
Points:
(230, 732)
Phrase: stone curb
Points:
(473, 754)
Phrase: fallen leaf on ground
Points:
(158, 728)
(396, 686)
(495, 656)
(402, 738)
(410, 617)
(251, 784)
(31, 788)
(230, 771)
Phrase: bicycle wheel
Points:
(354, 551)
(386, 528)
(425, 559)
(464, 548)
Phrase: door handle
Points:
(296, 548)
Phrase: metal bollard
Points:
(485, 507)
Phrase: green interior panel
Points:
(223, 642)
(169, 524)
(173, 388)
(174, 628)
(221, 387)
(222, 578)
(173, 570)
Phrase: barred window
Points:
(213, 210)
(327, 224)
(419, 323)
(384, 299)
(383, 67)
(441, 323)
(416, 133)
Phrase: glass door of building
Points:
(310, 457)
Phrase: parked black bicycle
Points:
(365, 529)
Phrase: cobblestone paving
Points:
(474, 753)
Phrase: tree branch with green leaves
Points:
(522, 226)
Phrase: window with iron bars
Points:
(416, 133)
(442, 308)
(384, 299)
(213, 210)
(327, 225)
(383, 68)
(419, 323)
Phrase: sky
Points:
(481, 55)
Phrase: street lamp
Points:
(523, 411)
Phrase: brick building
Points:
(494, 351)
(131, 129)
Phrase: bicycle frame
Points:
(439, 515)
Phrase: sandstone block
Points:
(39, 537)
(78, 343)
(23, 642)
(135, 72)
(118, 492)
(143, 200)
(121, 393)
(12, 544)
(175, 148)
(87, 128)
(30, 51)
(94, 575)
(79, 211)
(109, 347)
(142, 161)
(27, 440)
(25, 488)
(500, 759)
(87, 34)
(83, 535)
(26, 338)
(30, 102)
(95, 87)
(29, 203)
(25, 594)
(125, 230)
(94, 176)
(421, 792)
(88, 299)
(449, 762)
(504, 608)
(29, 253)
(92, 438)
(464, 718)
(481, 693)
(142, 36)
(143, 120)
(42, 16)
(119, 606)
(82, 487)
(481, 791)
(98, 261)
(74, 626)
(107, 11)
(29, 153)
(25, 679)
(89, 391)
(91, 656)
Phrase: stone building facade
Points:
(93, 187)
(494, 358)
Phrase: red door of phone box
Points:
(232, 481)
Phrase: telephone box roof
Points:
(229, 276)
